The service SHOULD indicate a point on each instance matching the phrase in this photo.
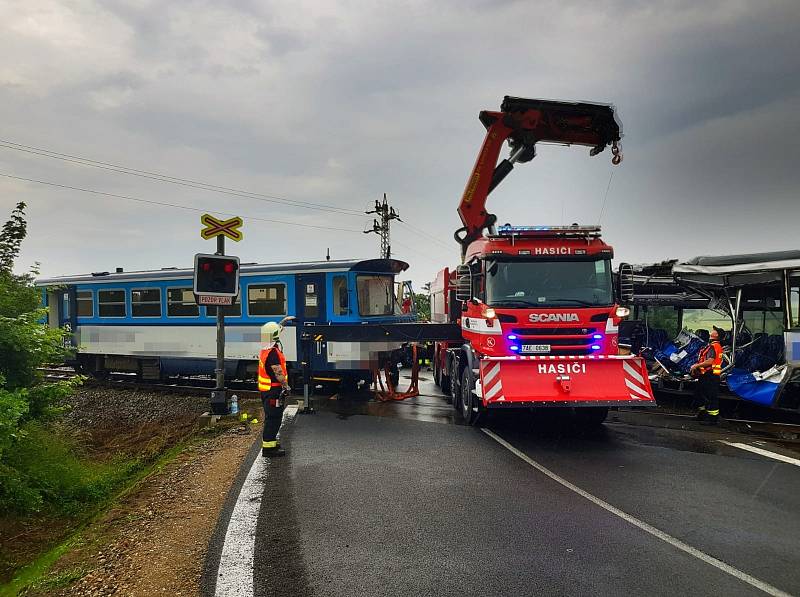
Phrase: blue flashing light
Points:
(595, 347)
(514, 348)
(511, 337)
(598, 336)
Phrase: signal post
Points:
(216, 283)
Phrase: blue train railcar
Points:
(148, 322)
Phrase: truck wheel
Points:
(446, 386)
(455, 397)
(469, 401)
(591, 417)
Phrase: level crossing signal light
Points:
(216, 275)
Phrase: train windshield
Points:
(375, 295)
(549, 283)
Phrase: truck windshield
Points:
(375, 295)
(548, 283)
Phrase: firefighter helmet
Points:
(271, 330)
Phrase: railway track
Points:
(243, 389)
(787, 429)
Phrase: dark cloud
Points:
(339, 102)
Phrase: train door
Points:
(311, 309)
(57, 309)
(311, 298)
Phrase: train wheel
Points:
(469, 403)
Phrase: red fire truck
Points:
(537, 307)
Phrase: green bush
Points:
(46, 471)
(26, 400)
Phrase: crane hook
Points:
(616, 153)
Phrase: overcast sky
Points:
(335, 103)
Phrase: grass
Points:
(75, 486)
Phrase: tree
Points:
(423, 302)
(14, 232)
(25, 345)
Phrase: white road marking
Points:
(762, 452)
(235, 573)
(677, 543)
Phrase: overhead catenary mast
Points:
(386, 214)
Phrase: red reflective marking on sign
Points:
(215, 227)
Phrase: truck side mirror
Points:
(625, 278)
(463, 283)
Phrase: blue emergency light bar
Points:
(585, 231)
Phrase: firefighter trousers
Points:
(273, 404)
(708, 392)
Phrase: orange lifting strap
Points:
(386, 392)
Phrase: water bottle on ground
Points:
(234, 405)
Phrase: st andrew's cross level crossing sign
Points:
(215, 227)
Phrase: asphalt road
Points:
(396, 500)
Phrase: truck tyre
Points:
(469, 402)
(452, 378)
(591, 417)
(444, 379)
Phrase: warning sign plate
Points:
(204, 299)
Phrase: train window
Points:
(266, 299)
(181, 303)
(794, 299)
(146, 302)
(311, 301)
(85, 303)
(111, 303)
(341, 301)
(234, 310)
(375, 295)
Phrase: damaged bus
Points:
(753, 298)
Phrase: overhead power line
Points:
(175, 205)
(427, 235)
(186, 182)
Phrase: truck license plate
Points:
(535, 348)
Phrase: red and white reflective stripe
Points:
(591, 357)
(492, 386)
(610, 327)
(632, 379)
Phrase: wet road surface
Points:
(396, 499)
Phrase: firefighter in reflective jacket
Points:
(707, 370)
(273, 385)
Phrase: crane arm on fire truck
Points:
(525, 122)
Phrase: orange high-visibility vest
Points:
(265, 382)
(716, 366)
